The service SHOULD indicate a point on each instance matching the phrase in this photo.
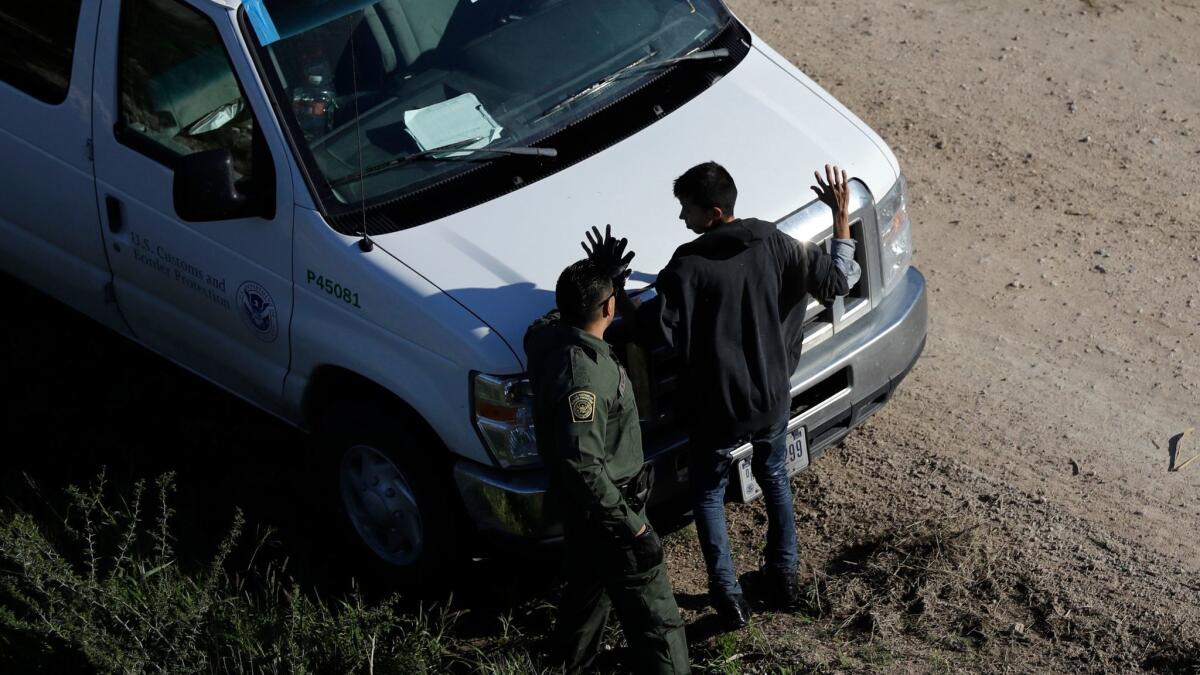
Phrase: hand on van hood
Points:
(768, 127)
(608, 253)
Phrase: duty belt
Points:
(636, 490)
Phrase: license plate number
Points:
(797, 460)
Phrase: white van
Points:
(348, 211)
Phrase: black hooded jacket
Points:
(732, 303)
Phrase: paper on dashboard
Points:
(458, 119)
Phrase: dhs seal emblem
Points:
(583, 406)
(258, 311)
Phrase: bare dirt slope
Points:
(1053, 156)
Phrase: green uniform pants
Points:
(601, 577)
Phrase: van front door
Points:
(215, 297)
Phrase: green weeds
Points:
(104, 581)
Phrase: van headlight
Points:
(895, 234)
(503, 409)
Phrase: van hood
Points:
(770, 127)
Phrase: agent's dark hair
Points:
(707, 185)
(581, 290)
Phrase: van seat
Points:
(414, 26)
(183, 94)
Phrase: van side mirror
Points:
(205, 189)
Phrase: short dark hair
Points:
(707, 185)
(581, 289)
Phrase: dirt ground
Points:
(1011, 509)
(1052, 151)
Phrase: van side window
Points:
(178, 91)
(37, 41)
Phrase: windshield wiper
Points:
(706, 55)
(641, 64)
(431, 154)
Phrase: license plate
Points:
(797, 461)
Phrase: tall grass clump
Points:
(105, 581)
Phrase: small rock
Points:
(1071, 106)
(1018, 629)
(1100, 269)
(1086, 139)
(1102, 253)
(940, 145)
(1155, 141)
(1017, 283)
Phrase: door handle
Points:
(116, 221)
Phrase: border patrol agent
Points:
(589, 438)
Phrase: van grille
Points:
(822, 321)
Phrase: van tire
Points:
(394, 490)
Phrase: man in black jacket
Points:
(723, 303)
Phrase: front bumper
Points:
(839, 384)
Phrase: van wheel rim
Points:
(381, 505)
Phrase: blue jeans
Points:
(708, 471)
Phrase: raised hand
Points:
(608, 253)
(834, 192)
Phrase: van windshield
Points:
(367, 83)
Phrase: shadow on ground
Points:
(82, 400)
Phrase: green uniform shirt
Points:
(586, 422)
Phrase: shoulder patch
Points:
(583, 406)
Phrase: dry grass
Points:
(104, 583)
(948, 584)
(933, 578)
(103, 588)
